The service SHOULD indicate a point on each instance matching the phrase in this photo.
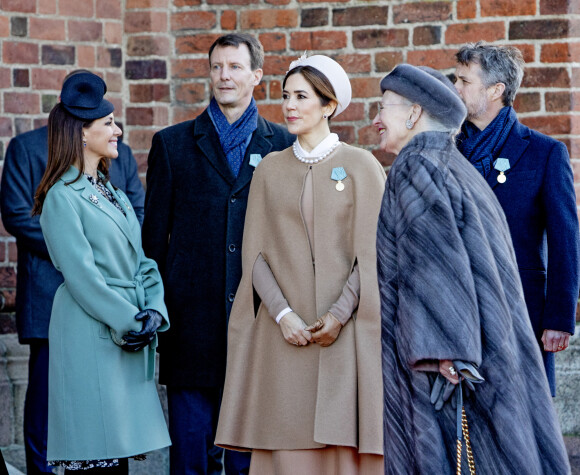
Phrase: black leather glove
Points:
(443, 389)
(136, 341)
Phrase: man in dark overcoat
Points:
(531, 176)
(37, 279)
(198, 181)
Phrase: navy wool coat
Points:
(37, 278)
(194, 217)
(539, 202)
(450, 289)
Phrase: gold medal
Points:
(339, 186)
(501, 178)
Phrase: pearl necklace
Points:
(312, 161)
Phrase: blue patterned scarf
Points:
(234, 138)
(482, 147)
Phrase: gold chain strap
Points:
(465, 431)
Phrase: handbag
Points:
(463, 433)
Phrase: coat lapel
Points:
(206, 139)
(91, 196)
(260, 144)
(513, 150)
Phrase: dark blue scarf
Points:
(234, 137)
(482, 147)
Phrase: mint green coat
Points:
(103, 401)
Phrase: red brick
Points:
(321, 1)
(528, 52)
(311, 17)
(109, 9)
(466, 9)
(22, 102)
(149, 93)
(231, 2)
(558, 101)
(546, 77)
(5, 127)
(106, 57)
(46, 7)
(527, 102)
(277, 65)
(317, 40)
(575, 77)
(46, 78)
(359, 16)
(189, 68)
(145, 22)
(560, 52)
(113, 32)
(5, 78)
(86, 56)
(260, 92)
(229, 20)
(354, 63)
(355, 111)
(190, 93)
(181, 114)
(384, 158)
(426, 35)
(385, 62)
(114, 81)
(197, 20)
(277, 2)
(575, 101)
(507, 8)
(150, 4)
(549, 125)
(539, 29)
(435, 58)
(273, 41)
(146, 69)
(459, 33)
(4, 27)
(12, 251)
(254, 19)
(148, 45)
(554, 7)
(197, 43)
(139, 115)
(141, 138)
(85, 30)
(275, 89)
(271, 112)
(378, 38)
(46, 29)
(345, 133)
(19, 53)
(365, 87)
(21, 6)
(75, 8)
(368, 135)
(7, 277)
(421, 12)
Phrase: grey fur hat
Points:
(430, 89)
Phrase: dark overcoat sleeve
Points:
(559, 202)
(17, 197)
(158, 199)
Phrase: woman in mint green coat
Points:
(103, 403)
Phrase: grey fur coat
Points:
(450, 289)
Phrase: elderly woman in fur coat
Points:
(451, 296)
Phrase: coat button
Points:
(232, 247)
(233, 199)
(231, 297)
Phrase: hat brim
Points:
(102, 110)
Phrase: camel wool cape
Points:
(450, 289)
(283, 397)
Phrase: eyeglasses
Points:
(381, 106)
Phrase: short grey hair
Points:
(503, 64)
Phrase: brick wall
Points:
(153, 56)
